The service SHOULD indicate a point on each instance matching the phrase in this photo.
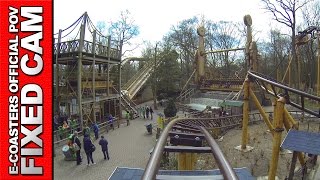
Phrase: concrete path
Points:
(129, 146)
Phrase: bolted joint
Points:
(282, 100)
(278, 129)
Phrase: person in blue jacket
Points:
(88, 148)
(104, 147)
(96, 130)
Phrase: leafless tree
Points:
(224, 35)
(285, 12)
(311, 17)
(124, 29)
(183, 37)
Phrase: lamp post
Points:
(318, 69)
(155, 79)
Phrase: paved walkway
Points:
(129, 146)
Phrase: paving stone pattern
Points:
(129, 146)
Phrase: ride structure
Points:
(185, 133)
(82, 79)
(83, 84)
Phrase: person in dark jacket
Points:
(110, 121)
(104, 147)
(77, 141)
(151, 112)
(147, 112)
(87, 145)
(96, 130)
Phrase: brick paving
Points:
(129, 146)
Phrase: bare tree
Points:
(311, 17)
(285, 12)
(224, 35)
(124, 30)
(183, 37)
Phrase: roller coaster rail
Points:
(202, 124)
(263, 81)
(154, 161)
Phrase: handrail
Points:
(279, 85)
(223, 164)
(254, 76)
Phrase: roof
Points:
(200, 107)
(125, 173)
(231, 103)
(302, 141)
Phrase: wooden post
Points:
(245, 115)
(119, 88)
(293, 165)
(279, 111)
(155, 79)
(94, 76)
(79, 74)
(263, 114)
(186, 161)
(108, 66)
(318, 74)
(288, 124)
(57, 71)
(248, 22)
(289, 73)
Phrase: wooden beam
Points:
(187, 149)
(186, 135)
(185, 129)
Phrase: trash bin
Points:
(67, 153)
(149, 128)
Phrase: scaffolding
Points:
(83, 57)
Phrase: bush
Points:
(170, 110)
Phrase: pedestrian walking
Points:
(131, 115)
(77, 145)
(104, 147)
(110, 121)
(96, 130)
(144, 112)
(139, 111)
(147, 112)
(128, 118)
(151, 112)
(89, 148)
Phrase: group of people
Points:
(89, 147)
(146, 112)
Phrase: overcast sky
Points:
(155, 18)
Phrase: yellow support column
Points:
(189, 165)
(181, 161)
(289, 123)
(245, 115)
(263, 114)
(186, 161)
(279, 114)
(290, 119)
